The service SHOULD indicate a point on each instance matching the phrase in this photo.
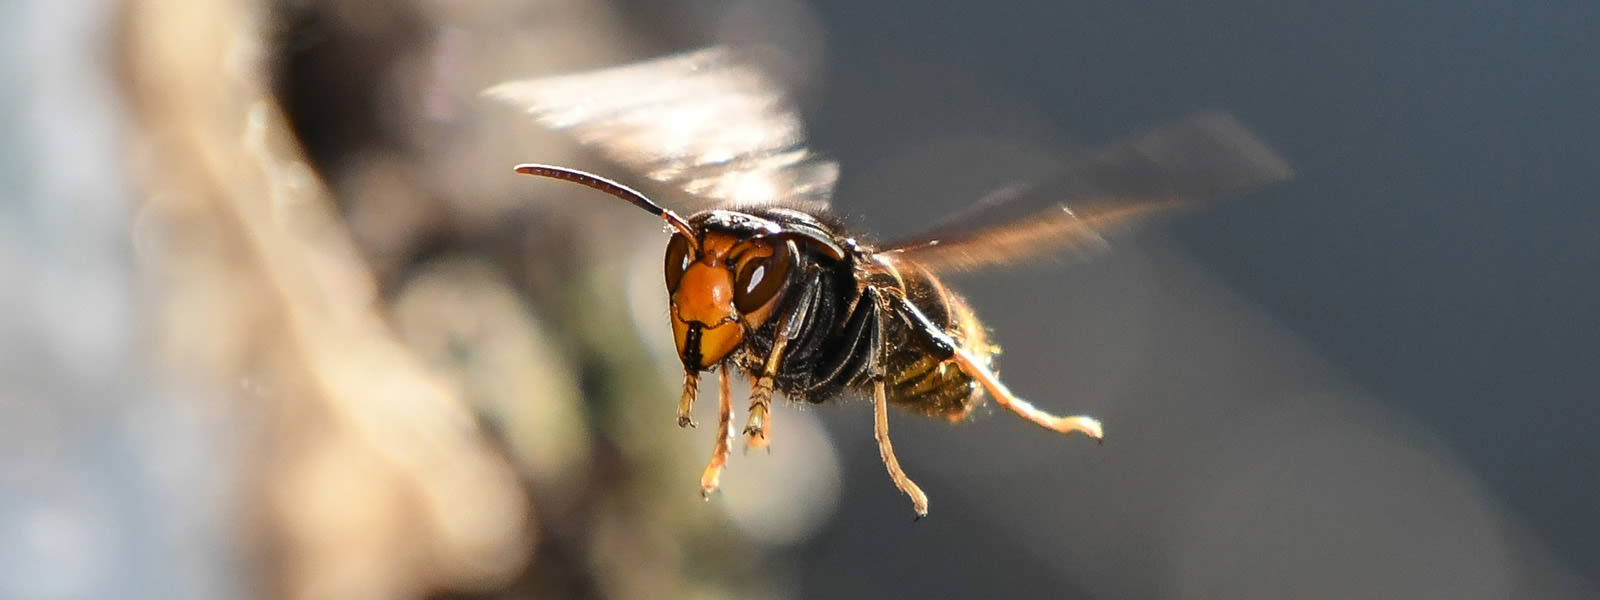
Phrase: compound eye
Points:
(760, 278)
(678, 260)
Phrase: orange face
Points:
(728, 285)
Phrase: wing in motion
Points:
(703, 122)
(1202, 157)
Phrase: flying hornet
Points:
(766, 281)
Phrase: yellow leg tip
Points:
(756, 439)
(1091, 427)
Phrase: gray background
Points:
(1437, 247)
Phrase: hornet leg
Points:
(719, 452)
(975, 369)
(691, 388)
(880, 430)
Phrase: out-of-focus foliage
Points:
(438, 393)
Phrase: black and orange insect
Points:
(766, 282)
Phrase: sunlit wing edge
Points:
(703, 122)
(1199, 158)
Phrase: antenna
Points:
(608, 186)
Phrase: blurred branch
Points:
(214, 143)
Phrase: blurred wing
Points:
(704, 122)
(1202, 157)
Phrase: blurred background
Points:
(278, 321)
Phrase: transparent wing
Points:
(703, 122)
(1202, 157)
